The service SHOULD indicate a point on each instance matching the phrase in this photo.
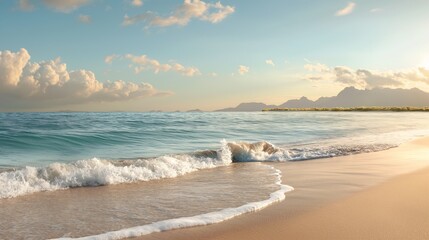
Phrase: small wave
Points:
(265, 151)
(198, 220)
(98, 172)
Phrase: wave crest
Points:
(96, 172)
(267, 152)
(259, 151)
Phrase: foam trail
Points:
(198, 220)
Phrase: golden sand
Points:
(382, 195)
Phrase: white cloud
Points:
(109, 59)
(51, 83)
(347, 10)
(243, 69)
(65, 6)
(316, 67)
(373, 80)
(220, 12)
(421, 74)
(270, 62)
(137, 3)
(143, 62)
(25, 5)
(363, 78)
(86, 19)
(190, 9)
(424, 72)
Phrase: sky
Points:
(169, 55)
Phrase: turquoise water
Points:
(166, 170)
(38, 139)
(51, 151)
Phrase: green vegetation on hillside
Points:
(352, 109)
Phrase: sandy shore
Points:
(382, 195)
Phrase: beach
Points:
(116, 176)
(381, 195)
(214, 120)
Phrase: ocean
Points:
(117, 175)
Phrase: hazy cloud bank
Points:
(143, 62)
(363, 78)
(50, 83)
(190, 9)
(64, 6)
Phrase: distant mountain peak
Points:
(247, 107)
(353, 97)
(350, 97)
(251, 104)
(348, 90)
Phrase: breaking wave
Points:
(265, 151)
(97, 172)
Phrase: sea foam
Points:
(198, 220)
(267, 152)
(98, 172)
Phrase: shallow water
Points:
(88, 211)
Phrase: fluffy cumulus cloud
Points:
(347, 10)
(143, 62)
(190, 9)
(65, 6)
(243, 69)
(363, 78)
(50, 83)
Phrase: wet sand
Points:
(86, 211)
(380, 195)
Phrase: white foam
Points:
(96, 172)
(198, 220)
(267, 152)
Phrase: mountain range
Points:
(348, 97)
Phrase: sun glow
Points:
(426, 64)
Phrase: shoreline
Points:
(349, 109)
(341, 185)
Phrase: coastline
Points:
(349, 109)
(352, 197)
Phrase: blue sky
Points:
(194, 49)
